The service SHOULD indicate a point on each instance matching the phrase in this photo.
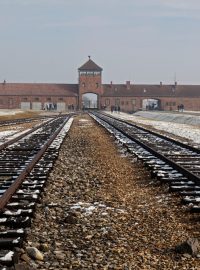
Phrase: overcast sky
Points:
(145, 41)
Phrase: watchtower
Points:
(89, 83)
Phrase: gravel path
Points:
(100, 210)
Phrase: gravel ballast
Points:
(101, 210)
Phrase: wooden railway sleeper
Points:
(21, 205)
(16, 222)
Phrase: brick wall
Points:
(14, 102)
(131, 104)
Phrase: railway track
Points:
(9, 134)
(25, 163)
(170, 161)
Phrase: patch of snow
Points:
(76, 207)
(7, 257)
(20, 231)
(3, 219)
(89, 208)
(10, 213)
(16, 241)
(10, 112)
(6, 133)
(83, 120)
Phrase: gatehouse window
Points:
(1, 101)
(48, 99)
(97, 73)
(97, 85)
(83, 73)
(122, 102)
(25, 99)
(83, 84)
(36, 99)
(126, 102)
(90, 73)
(61, 99)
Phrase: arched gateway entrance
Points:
(89, 101)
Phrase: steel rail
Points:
(12, 189)
(176, 166)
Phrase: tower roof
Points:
(90, 66)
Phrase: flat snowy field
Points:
(167, 122)
(9, 112)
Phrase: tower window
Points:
(97, 85)
(97, 73)
(83, 84)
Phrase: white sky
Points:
(145, 41)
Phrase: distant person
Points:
(181, 107)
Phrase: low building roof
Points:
(147, 90)
(38, 89)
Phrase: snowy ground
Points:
(9, 112)
(183, 118)
(187, 131)
(10, 134)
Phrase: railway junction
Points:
(95, 191)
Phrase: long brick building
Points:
(90, 92)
